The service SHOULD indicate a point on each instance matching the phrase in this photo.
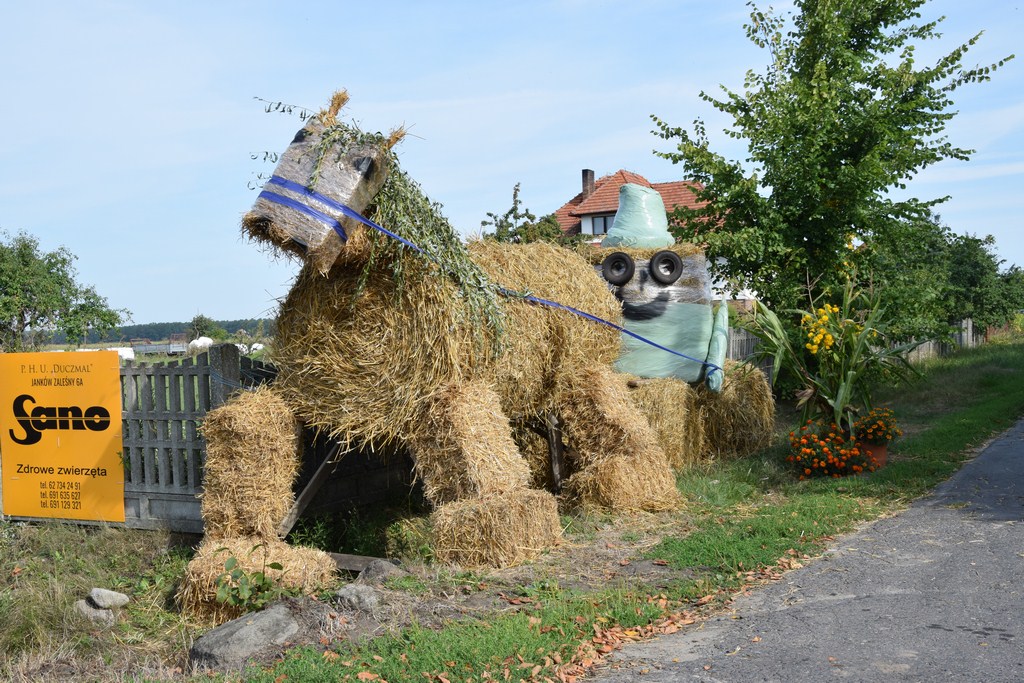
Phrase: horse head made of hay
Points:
(323, 181)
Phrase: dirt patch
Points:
(607, 554)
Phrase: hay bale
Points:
(252, 459)
(625, 484)
(466, 449)
(499, 530)
(306, 570)
(617, 461)
(674, 413)
(739, 420)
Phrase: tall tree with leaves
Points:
(40, 295)
(842, 115)
(909, 264)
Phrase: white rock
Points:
(357, 597)
(96, 615)
(104, 599)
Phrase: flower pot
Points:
(877, 452)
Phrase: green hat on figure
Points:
(641, 221)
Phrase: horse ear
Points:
(395, 137)
(338, 100)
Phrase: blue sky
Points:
(127, 128)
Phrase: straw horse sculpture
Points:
(379, 343)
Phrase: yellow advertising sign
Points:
(60, 435)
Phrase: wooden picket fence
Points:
(162, 407)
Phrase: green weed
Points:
(250, 591)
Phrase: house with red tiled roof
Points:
(593, 210)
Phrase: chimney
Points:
(588, 182)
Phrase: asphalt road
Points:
(933, 594)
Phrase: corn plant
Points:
(835, 352)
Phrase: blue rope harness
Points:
(336, 225)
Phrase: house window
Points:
(602, 224)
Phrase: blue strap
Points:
(303, 208)
(607, 323)
(341, 208)
(345, 210)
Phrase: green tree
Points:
(40, 296)
(519, 225)
(977, 290)
(910, 264)
(202, 326)
(842, 115)
(1013, 287)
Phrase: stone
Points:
(379, 571)
(229, 646)
(97, 615)
(106, 599)
(357, 598)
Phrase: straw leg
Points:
(463, 447)
(618, 463)
(497, 530)
(474, 475)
